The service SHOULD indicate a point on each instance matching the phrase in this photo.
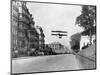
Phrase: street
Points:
(51, 63)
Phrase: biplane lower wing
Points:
(60, 31)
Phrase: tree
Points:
(87, 20)
(75, 42)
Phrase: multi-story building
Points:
(23, 26)
(14, 27)
(24, 34)
(33, 36)
(41, 38)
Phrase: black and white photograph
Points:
(52, 37)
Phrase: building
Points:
(33, 36)
(78, 41)
(14, 25)
(85, 41)
(23, 26)
(24, 35)
(41, 38)
(57, 47)
(88, 37)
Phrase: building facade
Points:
(85, 41)
(41, 38)
(33, 36)
(57, 47)
(14, 27)
(24, 35)
(78, 41)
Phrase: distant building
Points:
(57, 47)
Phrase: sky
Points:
(56, 17)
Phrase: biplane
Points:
(59, 33)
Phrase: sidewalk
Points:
(89, 53)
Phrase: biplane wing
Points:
(62, 34)
(54, 34)
(59, 34)
(59, 31)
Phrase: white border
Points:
(5, 37)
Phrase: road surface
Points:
(51, 63)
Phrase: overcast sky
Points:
(55, 17)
